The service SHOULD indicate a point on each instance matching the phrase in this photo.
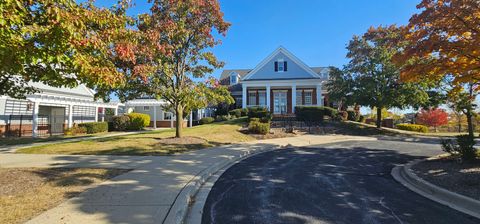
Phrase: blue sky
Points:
(316, 31)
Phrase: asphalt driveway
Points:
(346, 182)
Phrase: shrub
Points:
(207, 120)
(138, 121)
(256, 127)
(341, 115)
(120, 123)
(222, 118)
(244, 111)
(352, 116)
(94, 127)
(75, 130)
(463, 148)
(310, 114)
(235, 113)
(361, 118)
(259, 112)
(413, 127)
(330, 112)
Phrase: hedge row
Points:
(94, 127)
(314, 113)
(413, 127)
(207, 120)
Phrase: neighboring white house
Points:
(280, 82)
(50, 110)
(159, 116)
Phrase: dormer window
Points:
(280, 65)
(233, 78)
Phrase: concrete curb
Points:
(404, 175)
(178, 211)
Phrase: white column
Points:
(319, 95)
(244, 96)
(96, 114)
(116, 111)
(294, 97)
(268, 96)
(155, 117)
(35, 120)
(103, 113)
(70, 116)
(171, 120)
(191, 118)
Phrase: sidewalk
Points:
(157, 190)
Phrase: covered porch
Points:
(52, 114)
(282, 97)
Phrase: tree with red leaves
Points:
(433, 117)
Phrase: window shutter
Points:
(284, 66)
(276, 66)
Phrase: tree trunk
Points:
(379, 117)
(179, 121)
(470, 123)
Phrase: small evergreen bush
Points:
(413, 127)
(138, 121)
(75, 130)
(220, 118)
(257, 127)
(94, 127)
(463, 148)
(207, 120)
(120, 123)
(235, 113)
(259, 112)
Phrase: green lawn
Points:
(151, 143)
(29, 140)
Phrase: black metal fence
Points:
(22, 125)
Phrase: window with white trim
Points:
(308, 97)
(262, 98)
(167, 115)
(233, 78)
(298, 97)
(252, 98)
(280, 66)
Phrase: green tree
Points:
(174, 52)
(376, 80)
(60, 43)
(340, 87)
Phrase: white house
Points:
(280, 82)
(50, 110)
(159, 116)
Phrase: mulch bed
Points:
(461, 178)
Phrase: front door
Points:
(57, 119)
(280, 102)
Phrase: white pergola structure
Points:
(161, 104)
(70, 102)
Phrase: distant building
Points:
(280, 82)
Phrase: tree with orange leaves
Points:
(174, 50)
(61, 43)
(443, 41)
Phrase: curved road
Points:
(347, 182)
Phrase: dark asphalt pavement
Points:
(347, 182)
